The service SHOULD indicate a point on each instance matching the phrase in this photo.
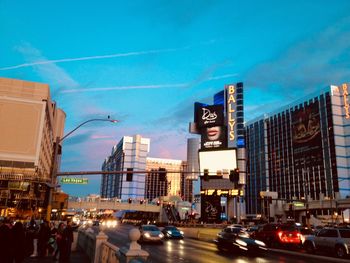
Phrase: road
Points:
(191, 250)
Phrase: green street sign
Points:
(69, 180)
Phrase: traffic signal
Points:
(290, 208)
(129, 200)
(206, 175)
(141, 202)
(162, 174)
(234, 175)
(129, 174)
(308, 215)
(158, 203)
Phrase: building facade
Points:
(151, 177)
(172, 184)
(129, 153)
(301, 153)
(29, 123)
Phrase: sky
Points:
(145, 63)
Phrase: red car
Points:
(278, 234)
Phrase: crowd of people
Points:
(19, 240)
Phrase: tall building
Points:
(192, 175)
(301, 152)
(170, 185)
(29, 123)
(129, 153)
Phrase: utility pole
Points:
(54, 162)
(53, 178)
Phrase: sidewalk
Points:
(76, 257)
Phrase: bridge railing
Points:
(99, 250)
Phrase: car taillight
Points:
(280, 234)
(298, 235)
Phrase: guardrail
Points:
(99, 250)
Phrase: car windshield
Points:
(171, 228)
(306, 231)
(344, 233)
(244, 234)
(150, 228)
(287, 228)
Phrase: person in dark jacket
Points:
(61, 242)
(18, 242)
(31, 233)
(68, 233)
(6, 252)
(43, 239)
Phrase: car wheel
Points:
(220, 248)
(340, 251)
(309, 248)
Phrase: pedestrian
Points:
(6, 250)
(61, 243)
(68, 233)
(53, 250)
(43, 239)
(32, 239)
(18, 242)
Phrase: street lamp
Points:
(54, 164)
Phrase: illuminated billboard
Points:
(231, 113)
(213, 137)
(209, 116)
(306, 136)
(217, 162)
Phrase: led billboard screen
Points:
(209, 116)
(213, 137)
(214, 161)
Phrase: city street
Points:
(191, 250)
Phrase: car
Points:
(150, 233)
(275, 235)
(109, 223)
(305, 233)
(172, 232)
(235, 239)
(333, 240)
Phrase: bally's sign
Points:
(346, 103)
(231, 113)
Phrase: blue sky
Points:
(146, 62)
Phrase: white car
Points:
(151, 233)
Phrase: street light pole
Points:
(54, 162)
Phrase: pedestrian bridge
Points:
(112, 205)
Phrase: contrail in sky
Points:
(159, 86)
(43, 62)
(126, 88)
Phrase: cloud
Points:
(50, 73)
(308, 65)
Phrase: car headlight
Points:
(161, 235)
(147, 235)
(260, 243)
(241, 243)
(169, 232)
(181, 232)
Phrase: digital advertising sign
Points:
(217, 161)
(209, 116)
